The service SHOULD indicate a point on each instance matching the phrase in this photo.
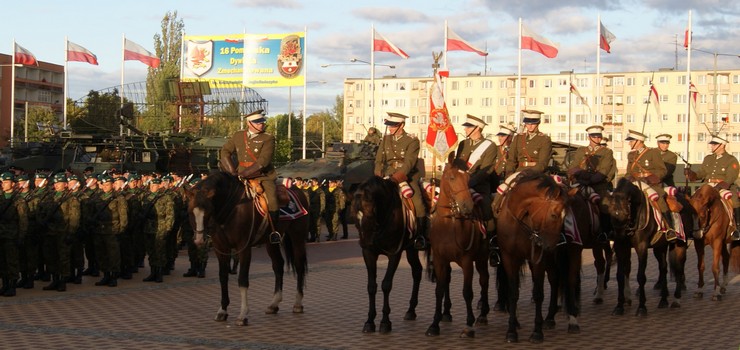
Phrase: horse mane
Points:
(552, 189)
(459, 164)
(223, 185)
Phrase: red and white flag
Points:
(441, 135)
(380, 43)
(693, 95)
(135, 52)
(533, 41)
(23, 56)
(574, 90)
(80, 54)
(655, 100)
(606, 38)
(687, 38)
(456, 43)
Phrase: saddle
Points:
(409, 215)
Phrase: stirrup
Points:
(670, 235)
(603, 237)
(494, 257)
(735, 235)
(420, 242)
(698, 234)
(275, 237)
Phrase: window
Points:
(701, 137)
(532, 101)
(546, 119)
(468, 84)
(469, 101)
(532, 83)
(630, 118)
(630, 100)
(455, 85)
(502, 84)
(736, 98)
(502, 101)
(645, 81)
(562, 136)
(562, 118)
(414, 119)
(581, 136)
(358, 136)
(401, 103)
(681, 118)
(630, 81)
(581, 118)
(562, 100)
(488, 119)
(358, 87)
(547, 101)
(681, 99)
(702, 117)
(400, 86)
(384, 102)
(582, 82)
(735, 137)
(547, 83)
(681, 80)
(358, 103)
(703, 99)
(454, 119)
(663, 98)
(487, 84)
(563, 82)
(702, 80)
(736, 79)
(736, 117)
(454, 102)
(502, 119)
(618, 81)
(358, 120)
(486, 102)
(663, 79)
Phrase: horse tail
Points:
(567, 260)
(735, 256)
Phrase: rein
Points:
(534, 237)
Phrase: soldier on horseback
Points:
(254, 149)
(480, 155)
(720, 169)
(398, 159)
(645, 166)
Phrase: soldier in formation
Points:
(316, 207)
(13, 228)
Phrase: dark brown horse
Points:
(221, 209)
(380, 222)
(713, 223)
(634, 227)
(455, 236)
(529, 229)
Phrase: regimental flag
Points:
(23, 56)
(606, 38)
(456, 43)
(574, 90)
(655, 100)
(380, 43)
(533, 41)
(693, 95)
(441, 135)
(135, 52)
(80, 54)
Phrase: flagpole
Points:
(519, 78)
(445, 46)
(598, 67)
(66, 67)
(305, 90)
(123, 65)
(12, 98)
(570, 109)
(372, 75)
(182, 72)
(688, 86)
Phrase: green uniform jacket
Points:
(598, 159)
(499, 166)
(113, 219)
(646, 164)
(670, 159)
(316, 200)
(398, 154)
(529, 151)
(716, 168)
(249, 150)
(14, 219)
(161, 215)
(481, 170)
(61, 211)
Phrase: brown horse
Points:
(529, 229)
(455, 236)
(713, 223)
(221, 209)
(380, 223)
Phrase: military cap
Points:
(716, 140)
(194, 180)
(505, 130)
(60, 177)
(663, 138)
(7, 176)
(105, 178)
(394, 119)
(40, 176)
(634, 135)
(22, 177)
(155, 180)
(73, 177)
(595, 130)
(471, 120)
(135, 177)
(120, 178)
(531, 116)
(167, 178)
(257, 116)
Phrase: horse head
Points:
(538, 203)
(454, 190)
(623, 206)
(374, 204)
(207, 201)
(702, 201)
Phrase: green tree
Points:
(42, 124)
(97, 115)
(322, 124)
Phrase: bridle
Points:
(454, 207)
(534, 233)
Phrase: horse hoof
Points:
(618, 311)
(663, 304)
(512, 337)
(481, 321)
(722, 290)
(369, 327)
(675, 305)
(468, 333)
(297, 309)
(657, 286)
(221, 317)
(598, 301)
(479, 305)
(385, 327)
(698, 295)
(498, 307)
(574, 329)
(446, 318)
(409, 316)
(272, 310)
(628, 302)
(432, 331)
(242, 322)
(641, 311)
(717, 297)
(548, 324)
(536, 338)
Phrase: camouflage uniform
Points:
(61, 212)
(158, 209)
(316, 207)
(29, 252)
(126, 241)
(77, 249)
(373, 136)
(110, 218)
(90, 194)
(335, 196)
(13, 228)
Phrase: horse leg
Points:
(622, 251)
(278, 263)
(573, 286)
(677, 259)
(300, 266)
(659, 251)
(245, 260)
(641, 250)
(371, 265)
(467, 267)
(501, 297)
(412, 257)
(600, 265)
(223, 279)
(719, 250)
(725, 267)
(554, 277)
(512, 291)
(387, 286)
(538, 294)
(447, 311)
(609, 256)
(481, 265)
(700, 266)
(441, 290)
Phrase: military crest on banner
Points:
(199, 57)
(290, 59)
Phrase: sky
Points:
(649, 36)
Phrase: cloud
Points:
(269, 4)
(390, 15)
(683, 6)
(540, 8)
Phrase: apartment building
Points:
(622, 106)
(41, 85)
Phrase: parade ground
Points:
(178, 314)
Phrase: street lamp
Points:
(290, 112)
(715, 129)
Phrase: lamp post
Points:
(303, 117)
(715, 121)
(12, 100)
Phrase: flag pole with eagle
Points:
(441, 136)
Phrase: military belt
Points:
(395, 164)
(714, 181)
(642, 174)
(528, 164)
(246, 164)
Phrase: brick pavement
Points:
(178, 314)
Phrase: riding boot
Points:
(494, 253)
(104, 281)
(6, 283)
(152, 275)
(77, 276)
(10, 291)
(62, 286)
(202, 270)
(28, 282)
(113, 282)
(192, 271)
(165, 271)
(670, 233)
(421, 240)
(736, 233)
(126, 273)
(24, 278)
(54, 283)
(158, 275)
(275, 236)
